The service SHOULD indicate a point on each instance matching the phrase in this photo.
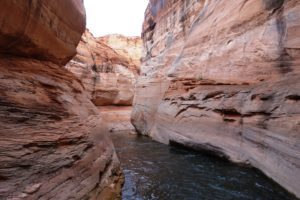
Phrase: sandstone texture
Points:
(117, 119)
(53, 143)
(108, 68)
(129, 47)
(41, 29)
(224, 77)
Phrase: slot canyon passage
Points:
(205, 105)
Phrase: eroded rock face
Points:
(129, 47)
(37, 29)
(117, 119)
(108, 74)
(53, 144)
(224, 77)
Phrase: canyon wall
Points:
(129, 47)
(224, 77)
(53, 144)
(108, 67)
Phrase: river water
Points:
(156, 171)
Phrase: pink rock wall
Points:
(224, 76)
(53, 143)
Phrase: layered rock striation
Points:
(108, 68)
(129, 47)
(117, 119)
(53, 143)
(224, 77)
(37, 29)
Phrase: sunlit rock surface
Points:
(224, 77)
(117, 118)
(107, 74)
(129, 47)
(53, 143)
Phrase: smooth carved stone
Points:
(53, 142)
(224, 77)
(108, 68)
(46, 30)
(117, 118)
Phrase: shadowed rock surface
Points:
(108, 68)
(53, 143)
(41, 29)
(223, 77)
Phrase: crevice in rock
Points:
(215, 94)
(228, 112)
(206, 148)
(186, 108)
(294, 97)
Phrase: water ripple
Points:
(155, 171)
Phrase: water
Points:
(156, 171)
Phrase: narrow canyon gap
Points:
(220, 77)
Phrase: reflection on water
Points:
(156, 171)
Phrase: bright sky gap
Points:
(115, 16)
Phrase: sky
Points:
(115, 16)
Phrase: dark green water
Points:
(156, 171)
